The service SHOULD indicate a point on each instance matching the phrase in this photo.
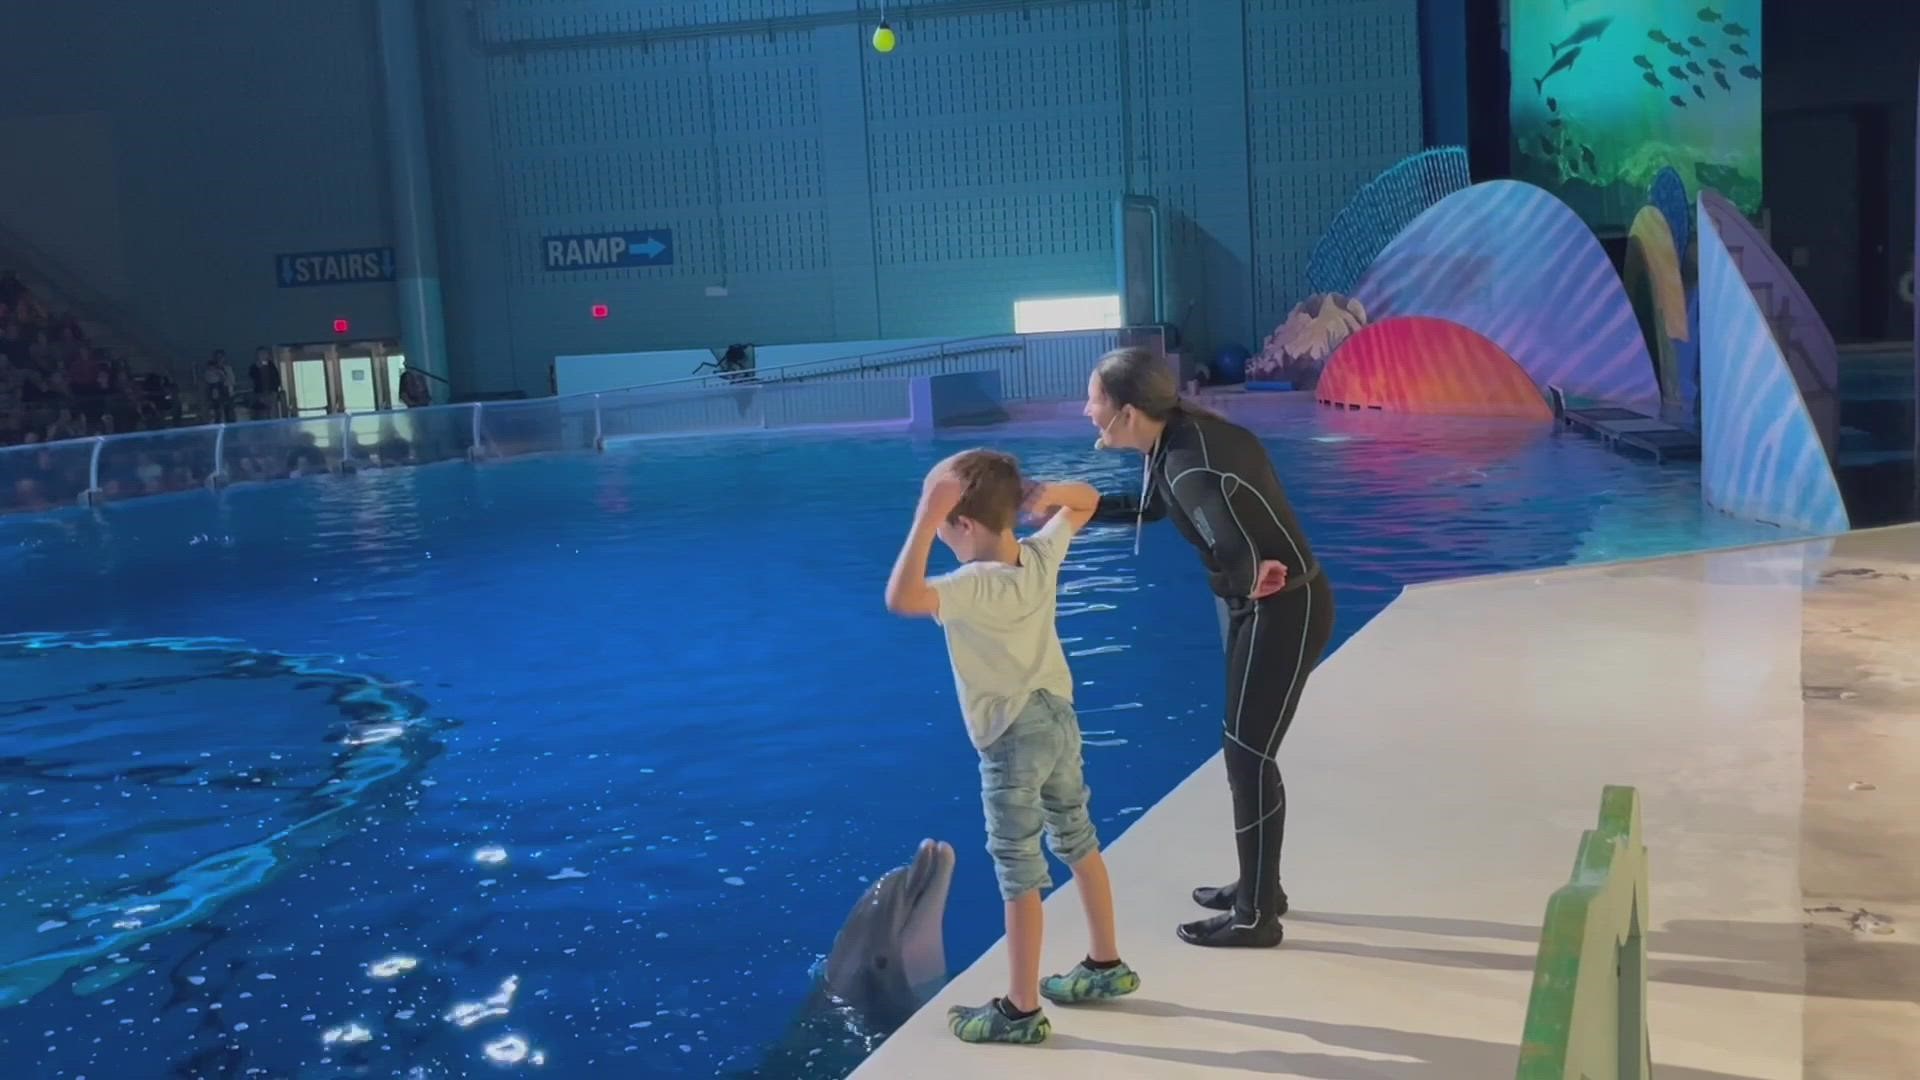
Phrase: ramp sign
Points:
(608, 251)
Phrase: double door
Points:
(335, 377)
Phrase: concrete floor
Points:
(1442, 768)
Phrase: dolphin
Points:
(1565, 63)
(889, 959)
(1587, 31)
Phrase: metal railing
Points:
(1032, 365)
(866, 389)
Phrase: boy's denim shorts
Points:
(1030, 780)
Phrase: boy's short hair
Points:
(994, 488)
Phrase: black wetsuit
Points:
(1215, 480)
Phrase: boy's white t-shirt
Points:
(1001, 636)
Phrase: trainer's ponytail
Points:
(1137, 377)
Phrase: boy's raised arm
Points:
(1070, 497)
(907, 590)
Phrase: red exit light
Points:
(340, 326)
(599, 311)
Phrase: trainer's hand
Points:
(1272, 578)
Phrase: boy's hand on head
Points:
(941, 493)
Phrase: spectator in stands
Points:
(34, 391)
(80, 367)
(268, 401)
(65, 426)
(66, 344)
(13, 342)
(218, 376)
(92, 395)
(414, 391)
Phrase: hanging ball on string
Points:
(884, 39)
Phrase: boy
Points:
(1016, 694)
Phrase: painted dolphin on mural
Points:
(1591, 30)
(889, 958)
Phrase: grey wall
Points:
(1823, 62)
(841, 194)
(836, 193)
(167, 154)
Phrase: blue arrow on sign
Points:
(386, 262)
(286, 270)
(651, 248)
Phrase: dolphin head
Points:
(891, 955)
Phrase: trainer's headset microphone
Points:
(1146, 474)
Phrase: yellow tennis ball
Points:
(884, 39)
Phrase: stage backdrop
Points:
(1606, 93)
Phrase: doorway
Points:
(341, 377)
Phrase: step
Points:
(1866, 459)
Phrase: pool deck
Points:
(1765, 701)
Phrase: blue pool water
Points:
(251, 745)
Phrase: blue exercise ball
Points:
(1230, 364)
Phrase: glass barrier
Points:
(45, 476)
(157, 462)
(627, 414)
(512, 428)
(281, 449)
(855, 390)
(844, 399)
(580, 421)
(837, 401)
(411, 436)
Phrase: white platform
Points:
(1442, 768)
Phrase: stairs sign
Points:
(349, 266)
(608, 251)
